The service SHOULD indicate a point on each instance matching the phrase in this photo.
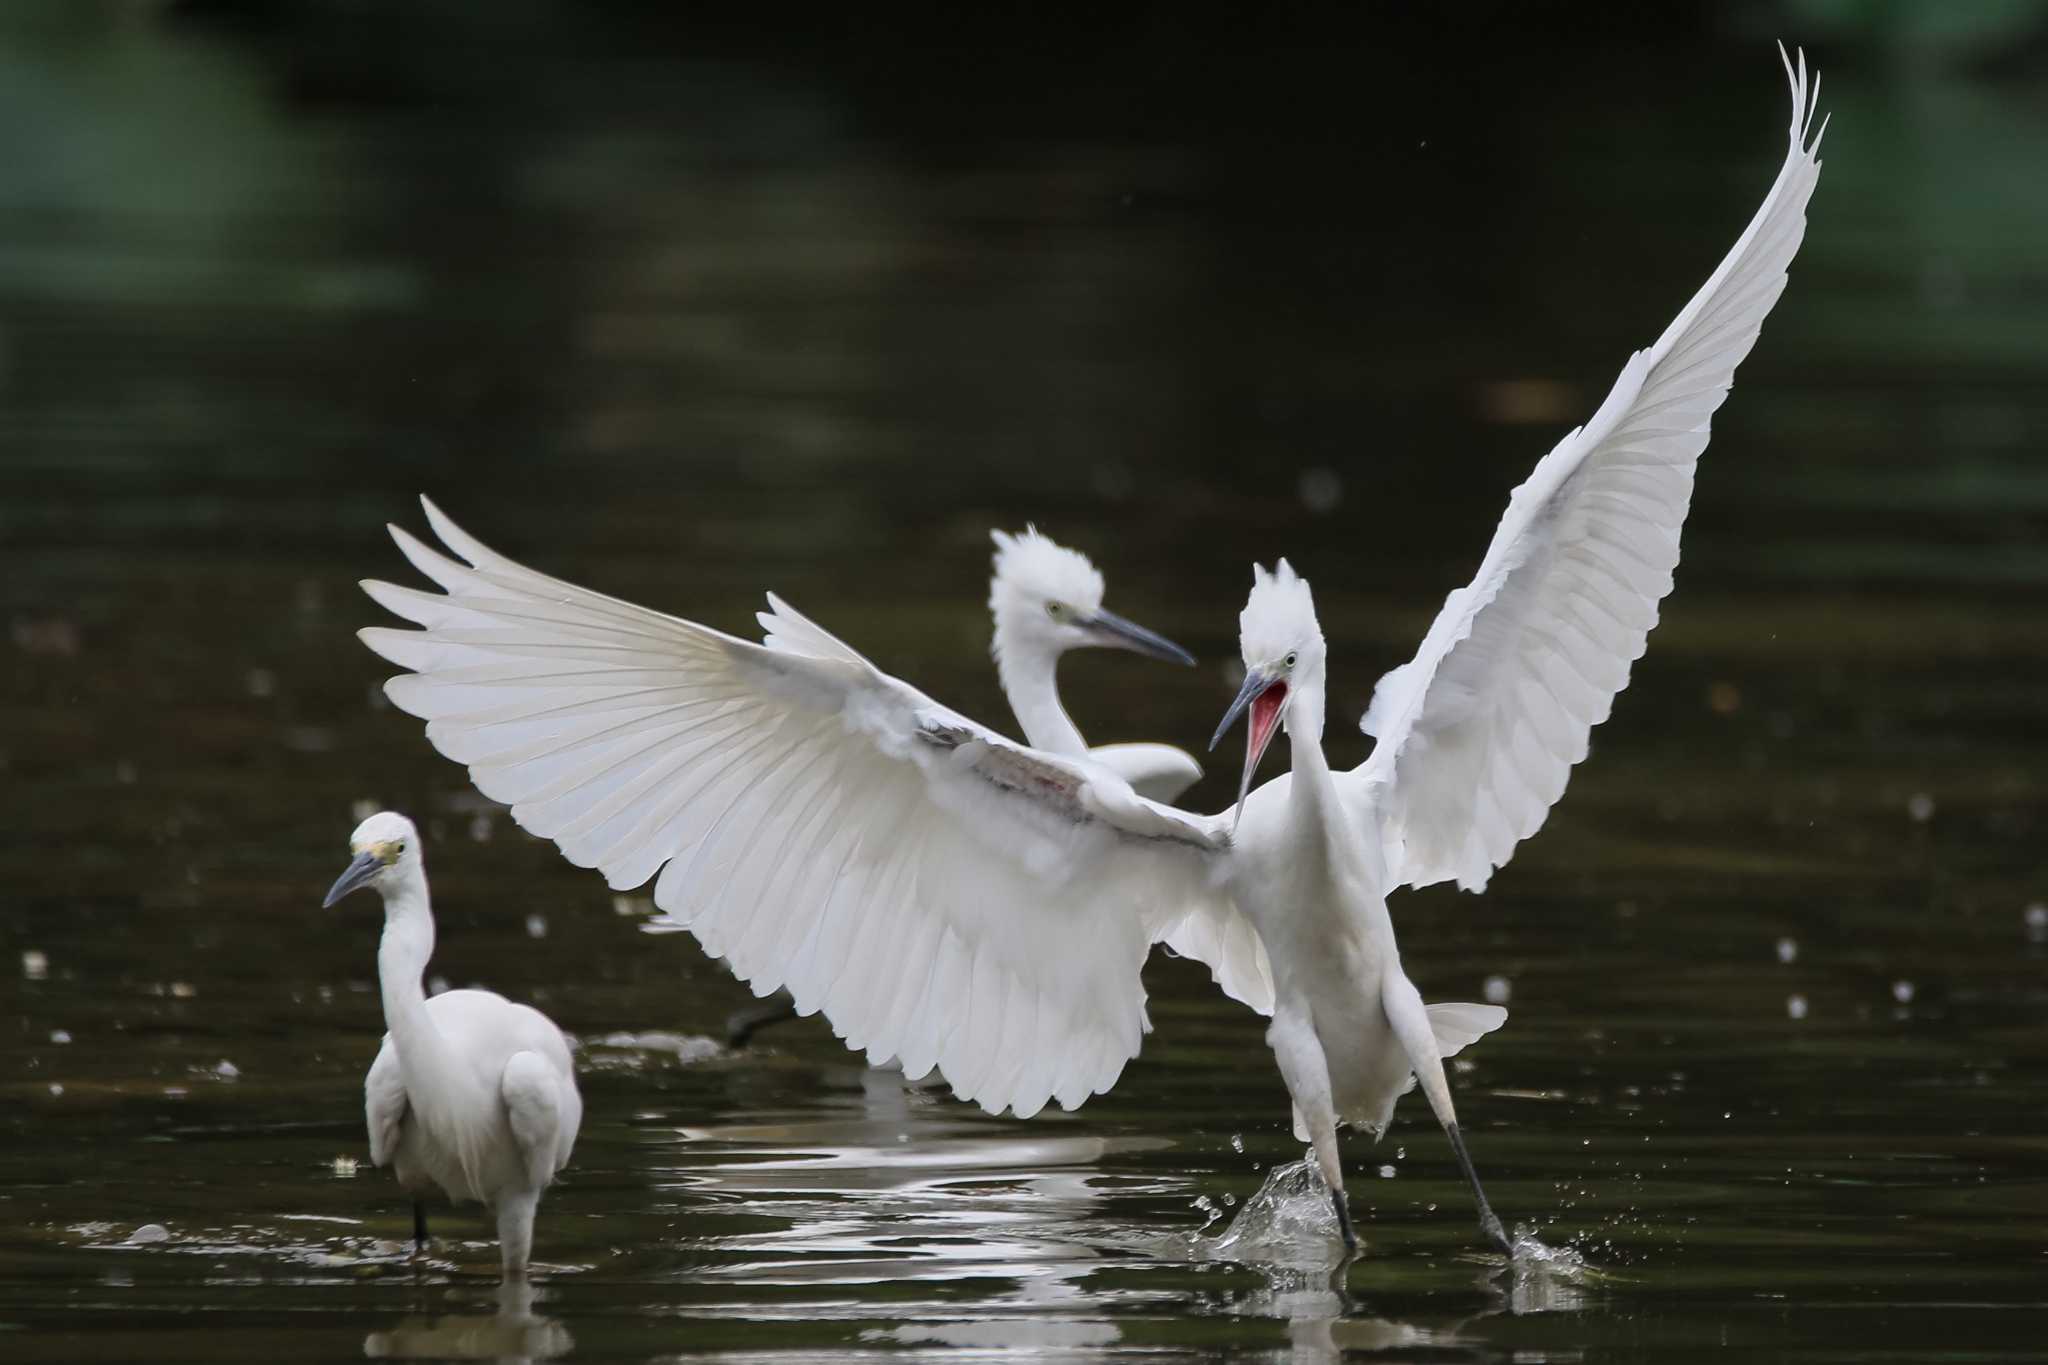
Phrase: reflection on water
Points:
(513, 1333)
(687, 314)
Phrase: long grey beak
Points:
(1255, 682)
(366, 866)
(1118, 633)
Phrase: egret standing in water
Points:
(953, 899)
(1045, 600)
(470, 1094)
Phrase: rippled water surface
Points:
(686, 314)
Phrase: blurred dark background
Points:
(687, 304)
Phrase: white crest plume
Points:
(1033, 566)
(1279, 615)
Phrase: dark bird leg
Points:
(419, 1228)
(741, 1025)
(1489, 1222)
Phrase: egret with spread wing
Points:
(956, 900)
(1479, 732)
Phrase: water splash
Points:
(1546, 1279)
(1289, 1222)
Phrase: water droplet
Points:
(227, 1070)
(1496, 990)
(56, 1089)
(1795, 1007)
(1229, 1201)
(345, 1167)
(1320, 489)
(1400, 1154)
(1902, 991)
(536, 926)
(1386, 1172)
(58, 1035)
(1237, 1143)
(1788, 950)
(34, 965)
(1920, 807)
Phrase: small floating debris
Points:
(684, 1047)
(1795, 1007)
(34, 965)
(1902, 991)
(149, 1234)
(227, 1070)
(1788, 950)
(536, 926)
(345, 1167)
(60, 1036)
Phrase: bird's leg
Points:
(1410, 1021)
(1293, 1040)
(515, 1233)
(741, 1025)
(419, 1228)
(1489, 1222)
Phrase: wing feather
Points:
(944, 896)
(1479, 732)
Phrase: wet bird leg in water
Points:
(419, 1228)
(741, 1024)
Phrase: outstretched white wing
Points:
(1479, 732)
(946, 897)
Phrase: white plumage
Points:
(954, 899)
(1479, 732)
(470, 1094)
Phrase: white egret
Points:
(470, 1093)
(953, 899)
(1045, 599)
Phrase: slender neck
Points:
(1028, 670)
(402, 957)
(1305, 741)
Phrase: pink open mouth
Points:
(1265, 720)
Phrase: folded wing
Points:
(944, 896)
(1479, 732)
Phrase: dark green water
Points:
(689, 315)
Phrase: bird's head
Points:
(1048, 599)
(1283, 662)
(384, 846)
